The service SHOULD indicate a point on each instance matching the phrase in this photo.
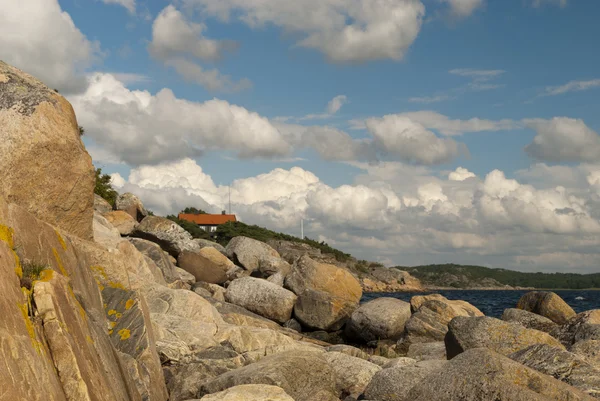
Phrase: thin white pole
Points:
(301, 228)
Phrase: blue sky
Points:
(423, 87)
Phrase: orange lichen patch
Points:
(24, 308)
(113, 324)
(105, 306)
(100, 271)
(18, 267)
(59, 263)
(110, 332)
(112, 312)
(125, 334)
(89, 339)
(129, 304)
(119, 315)
(46, 275)
(61, 240)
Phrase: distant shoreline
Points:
(433, 289)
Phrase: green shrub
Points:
(32, 271)
(104, 189)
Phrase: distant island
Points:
(472, 277)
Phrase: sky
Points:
(401, 131)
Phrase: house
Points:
(208, 222)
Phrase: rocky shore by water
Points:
(105, 303)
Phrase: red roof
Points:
(208, 219)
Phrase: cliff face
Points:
(55, 331)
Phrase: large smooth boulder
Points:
(379, 319)
(249, 253)
(132, 205)
(169, 235)
(546, 304)
(502, 337)
(262, 297)
(529, 320)
(207, 264)
(481, 374)
(327, 294)
(45, 167)
(158, 256)
(429, 323)
(305, 376)
(122, 221)
(562, 365)
(250, 392)
(393, 384)
(583, 326)
(352, 374)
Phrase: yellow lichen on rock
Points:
(129, 304)
(6, 235)
(61, 240)
(62, 269)
(124, 333)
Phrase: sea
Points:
(494, 302)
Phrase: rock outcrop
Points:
(122, 221)
(352, 374)
(262, 297)
(430, 318)
(481, 374)
(250, 392)
(327, 294)
(529, 320)
(305, 376)
(249, 253)
(170, 236)
(45, 167)
(379, 319)
(207, 264)
(546, 304)
(132, 205)
(562, 365)
(505, 338)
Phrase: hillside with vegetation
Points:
(458, 276)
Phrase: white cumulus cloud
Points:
(460, 174)
(40, 38)
(128, 4)
(563, 139)
(345, 31)
(180, 44)
(463, 8)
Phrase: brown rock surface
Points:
(122, 221)
(45, 167)
(546, 304)
(207, 264)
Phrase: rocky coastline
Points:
(103, 303)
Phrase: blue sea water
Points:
(492, 303)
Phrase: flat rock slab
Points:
(262, 297)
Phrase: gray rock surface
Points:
(348, 350)
(393, 384)
(588, 349)
(481, 374)
(352, 374)
(203, 243)
(546, 304)
(262, 297)
(122, 221)
(154, 252)
(583, 326)
(305, 376)
(562, 365)
(502, 337)
(170, 236)
(104, 233)
(101, 205)
(427, 351)
(379, 319)
(529, 320)
(249, 253)
(132, 205)
(250, 392)
(429, 322)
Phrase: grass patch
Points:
(32, 271)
